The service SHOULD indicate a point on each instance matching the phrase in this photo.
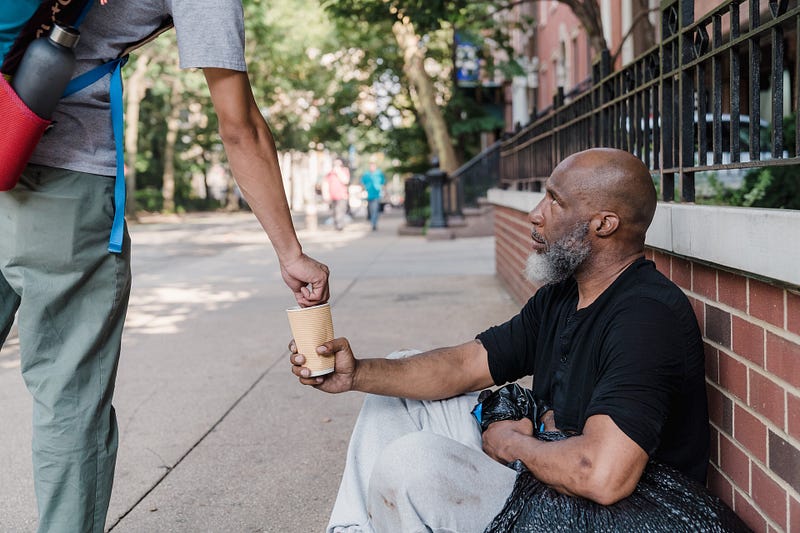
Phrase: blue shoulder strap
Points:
(118, 127)
(85, 12)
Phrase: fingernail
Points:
(322, 349)
(305, 372)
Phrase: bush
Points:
(149, 199)
(775, 187)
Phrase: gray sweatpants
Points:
(417, 466)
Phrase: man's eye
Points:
(554, 201)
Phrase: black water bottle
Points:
(45, 70)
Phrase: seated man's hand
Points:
(500, 438)
(341, 379)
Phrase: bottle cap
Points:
(65, 36)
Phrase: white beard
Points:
(560, 259)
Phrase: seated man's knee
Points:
(409, 463)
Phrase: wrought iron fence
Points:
(417, 202)
(689, 107)
(477, 176)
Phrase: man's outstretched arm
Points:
(254, 163)
(602, 464)
(434, 375)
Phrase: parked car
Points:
(732, 177)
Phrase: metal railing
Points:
(417, 202)
(690, 106)
(477, 175)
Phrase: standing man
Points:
(71, 293)
(373, 182)
(614, 350)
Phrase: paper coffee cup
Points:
(311, 327)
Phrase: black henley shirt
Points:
(635, 354)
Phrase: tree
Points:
(171, 130)
(423, 32)
(423, 93)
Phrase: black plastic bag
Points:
(664, 501)
(511, 402)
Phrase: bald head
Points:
(607, 179)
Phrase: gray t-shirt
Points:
(210, 33)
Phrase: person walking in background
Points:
(55, 267)
(336, 182)
(373, 181)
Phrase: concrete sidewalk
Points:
(216, 433)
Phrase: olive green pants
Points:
(71, 297)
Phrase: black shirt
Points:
(635, 354)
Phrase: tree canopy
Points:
(350, 75)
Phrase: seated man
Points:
(614, 350)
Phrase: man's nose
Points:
(535, 215)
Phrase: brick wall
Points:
(751, 330)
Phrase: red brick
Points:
(699, 312)
(712, 362)
(793, 408)
(766, 302)
(682, 273)
(794, 514)
(793, 312)
(704, 281)
(718, 325)
(769, 496)
(750, 432)
(732, 375)
(720, 409)
(713, 447)
(732, 290)
(767, 397)
(784, 459)
(783, 358)
(748, 513)
(662, 262)
(719, 486)
(734, 463)
(748, 340)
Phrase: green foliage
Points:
(770, 187)
(326, 73)
(149, 199)
(775, 187)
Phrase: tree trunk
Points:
(173, 125)
(135, 87)
(428, 111)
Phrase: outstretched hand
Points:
(308, 280)
(342, 377)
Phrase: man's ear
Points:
(605, 223)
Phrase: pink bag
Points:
(20, 132)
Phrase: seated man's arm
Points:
(602, 464)
(434, 375)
